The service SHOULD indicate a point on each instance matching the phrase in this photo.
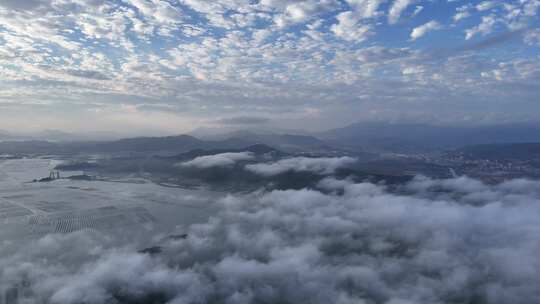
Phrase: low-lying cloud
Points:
(218, 160)
(430, 241)
(321, 165)
(244, 120)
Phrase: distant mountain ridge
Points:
(356, 138)
(288, 142)
(221, 133)
(410, 137)
(180, 143)
(143, 144)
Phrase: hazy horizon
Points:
(223, 131)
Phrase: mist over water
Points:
(428, 241)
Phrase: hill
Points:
(167, 145)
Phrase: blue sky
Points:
(156, 66)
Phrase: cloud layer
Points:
(170, 65)
(218, 160)
(430, 241)
(319, 165)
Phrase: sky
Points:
(170, 66)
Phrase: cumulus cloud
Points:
(365, 8)
(397, 9)
(486, 5)
(421, 30)
(462, 12)
(431, 241)
(300, 11)
(23, 5)
(160, 11)
(485, 27)
(217, 160)
(348, 28)
(320, 165)
(199, 60)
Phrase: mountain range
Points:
(356, 138)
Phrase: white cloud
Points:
(432, 241)
(349, 28)
(423, 29)
(530, 7)
(532, 37)
(365, 8)
(160, 11)
(485, 27)
(300, 11)
(224, 55)
(462, 12)
(397, 8)
(486, 5)
(218, 160)
(320, 165)
(417, 10)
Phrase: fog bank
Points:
(429, 241)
